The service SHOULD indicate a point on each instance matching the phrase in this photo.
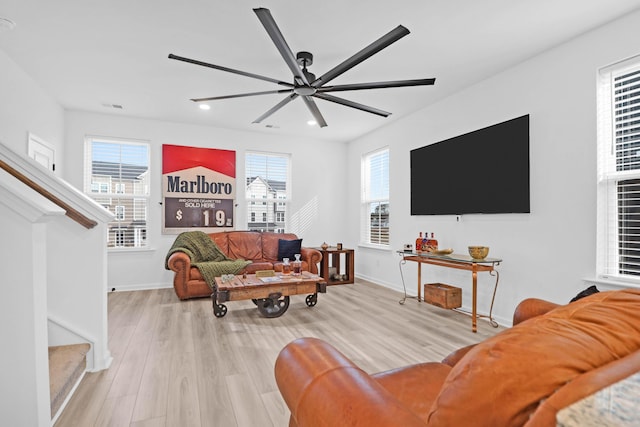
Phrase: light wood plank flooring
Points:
(175, 364)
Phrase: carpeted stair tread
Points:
(66, 365)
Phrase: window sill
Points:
(129, 250)
(612, 283)
(383, 248)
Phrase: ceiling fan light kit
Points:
(305, 84)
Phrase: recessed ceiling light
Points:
(6, 24)
(312, 123)
(205, 107)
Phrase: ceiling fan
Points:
(305, 84)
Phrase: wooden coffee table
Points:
(269, 294)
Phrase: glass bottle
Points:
(419, 243)
(297, 266)
(425, 242)
(286, 267)
(433, 243)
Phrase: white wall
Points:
(546, 253)
(318, 179)
(24, 108)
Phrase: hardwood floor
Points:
(175, 364)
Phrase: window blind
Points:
(375, 198)
(267, 191)
(117, 177)
(619, 169)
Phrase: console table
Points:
(461, 262)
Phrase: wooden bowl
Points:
(478, 252)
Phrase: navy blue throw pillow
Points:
(288, 248)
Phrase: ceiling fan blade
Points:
(229, 70)
(377, 85)
(375, 47)
(269, 24)
(351, 104)
(241, 95)
(311, 105)
(275, 108)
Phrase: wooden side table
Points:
(334, 258)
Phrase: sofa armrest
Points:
(312, 258)
(532, 307)
(322, 387)
(179, 261)
(455, 356)
(583, 386)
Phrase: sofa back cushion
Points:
(245, 245)
(222, 241)
(250, 245)
(502, 380)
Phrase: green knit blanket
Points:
(206, 256)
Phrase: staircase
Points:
(67, 364)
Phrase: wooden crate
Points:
(441, 295)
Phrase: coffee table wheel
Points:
(219, 310)
(274, 306)
(311, 300)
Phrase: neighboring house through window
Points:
(267, 181)
(374, 216)
(619, 171)
(117, 177)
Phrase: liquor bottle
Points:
(419, 243)
(297, 266)
(433, 243)
(286, 267)
(425, 242)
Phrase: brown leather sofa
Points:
(552, 357)
(259, 247)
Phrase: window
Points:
(117, 177)
(375, 198)
(267, 180)
(120, 216)
(619, 171)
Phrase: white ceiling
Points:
(89, 53)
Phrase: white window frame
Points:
(120, 212)
(261, 206)
(374, 186)
(123, 233)
(610, 265)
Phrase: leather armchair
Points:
(552, 357)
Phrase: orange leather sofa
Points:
(259, 247)
(552, 357)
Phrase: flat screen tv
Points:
(485, 171)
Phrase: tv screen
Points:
(485, 171)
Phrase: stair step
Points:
(67, 363)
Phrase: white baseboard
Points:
(139, 287)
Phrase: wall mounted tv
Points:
(485, 171)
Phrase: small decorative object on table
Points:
(339, 246)
(478, 252)
(324, 246)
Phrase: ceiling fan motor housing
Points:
(304, 58)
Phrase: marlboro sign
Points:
(198, 188)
